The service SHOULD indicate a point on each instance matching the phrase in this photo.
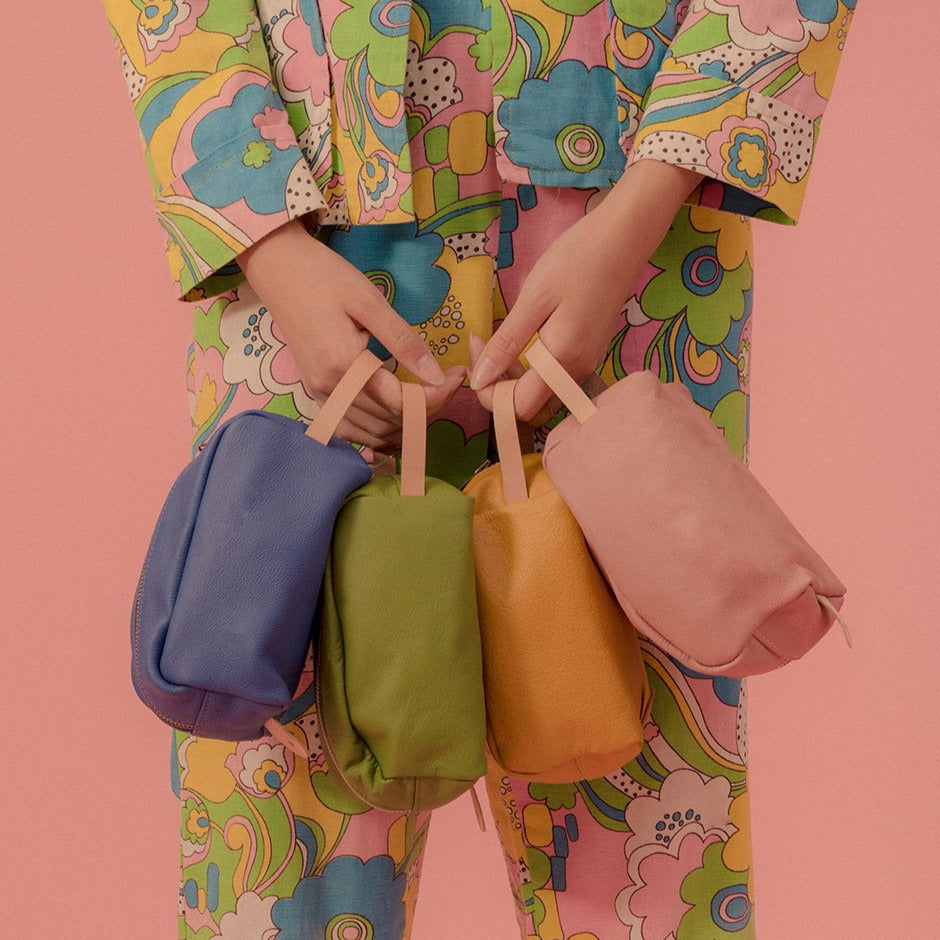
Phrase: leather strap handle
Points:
(845, 627)
(323, 425)
(414, 438)
(507, 441)
(553, 373)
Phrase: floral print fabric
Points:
(252, 114)
(270, 848)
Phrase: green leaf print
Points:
(640, 13)
(692, 279)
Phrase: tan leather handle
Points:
(845, 627)
(507, 441)
(553, 373)
(323, 425)
(414, 437)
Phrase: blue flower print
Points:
(254, 169)
(402, 268)
(351, 898)
(571, 108)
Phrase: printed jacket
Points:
(254, 113)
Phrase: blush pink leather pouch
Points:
(699, 555)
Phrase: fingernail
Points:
(484, 373)
(428, 369)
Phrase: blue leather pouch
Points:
(226, 599)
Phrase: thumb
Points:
(507, 343)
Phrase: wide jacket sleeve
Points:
(739, 98)
(225, 165)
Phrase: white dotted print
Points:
(432, 82)
(133, 79)
(737, 61)
(627, 785)
(741, 725)
(793, 135)
(467, 244)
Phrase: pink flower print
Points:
(257, 358)
(251, 919)
(684, 801)
(261, 768)
(161, 24)
(652, 905)
(284, 369)
(246, 328)
(305, 73)
(742, 152)
(274, 126)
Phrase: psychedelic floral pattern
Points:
(739, 97)
(253, 114)
(270, 847)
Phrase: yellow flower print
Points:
(735, 238)
(175, 257)
(206, 401)
(203, 768)
(268, 776)
(197, 823)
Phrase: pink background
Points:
(845, 421)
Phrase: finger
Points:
(400, 339)
(384, 410)
(508, 341)
(378, 427)
(384, 391)
(438, 396)
(485, 393)
(532, 394)
(348, 431)
(477, 345)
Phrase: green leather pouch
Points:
(399, 663)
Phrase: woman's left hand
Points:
(575, 291)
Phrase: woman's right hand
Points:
(327, 309)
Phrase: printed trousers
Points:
(660, 850)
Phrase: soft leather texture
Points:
(400, 685)
(700, 556)
(221, 622)
(566, 688)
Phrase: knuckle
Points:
(506, 343)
